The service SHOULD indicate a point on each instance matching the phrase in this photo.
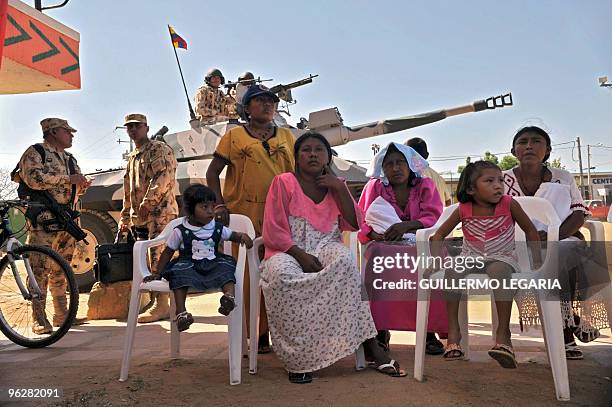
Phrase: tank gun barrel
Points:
(348, 134)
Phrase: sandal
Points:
(300, 378)
(573, 352)
(504, 355)
(434, 346)
(453, 351)
(183, 321)
(227, 304)
(263, 344)
(391, 369)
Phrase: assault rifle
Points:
(64, 215)
(247, 82)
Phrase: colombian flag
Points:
(177, 40)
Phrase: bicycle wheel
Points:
(31, 322)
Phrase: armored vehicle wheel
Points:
(100, 228)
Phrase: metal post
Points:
(451, 188)
(191, 112)
(581, 184)
(589, 186)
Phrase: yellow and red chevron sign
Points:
(38, 53)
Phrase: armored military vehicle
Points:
(194, 150)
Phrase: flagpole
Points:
(193, 116)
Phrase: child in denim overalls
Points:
(199, 265)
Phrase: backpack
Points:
(24, 191)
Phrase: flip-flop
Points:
(391, 369)
(504, 355)
(573, 352)
(449, 349)
(300, 378)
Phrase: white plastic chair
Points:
(360, 362)
(598, 234)
(550, 311)
(238, 223)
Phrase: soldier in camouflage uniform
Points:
(245, 80)
(52, 175)
(149, 201)
(211, 103)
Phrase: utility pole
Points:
(580, 166)
(119, 141)
(589, 186)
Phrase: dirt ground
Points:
(85, 364)
(202, 382)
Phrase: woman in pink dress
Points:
(309, 279)
(396, 172)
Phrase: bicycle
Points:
(22, 302)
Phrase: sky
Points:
(375, 60)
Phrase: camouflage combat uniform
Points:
(211, 105)
(149, 181)
(53, 176)
(230, 102)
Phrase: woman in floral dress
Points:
(310, 280)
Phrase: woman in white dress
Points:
(581, 314)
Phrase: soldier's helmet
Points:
(247, 78)
(213, 72)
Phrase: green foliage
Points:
(490, 157)
(461, 167)
(507, 162)
(556, 163)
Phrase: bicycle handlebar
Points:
(6, 205)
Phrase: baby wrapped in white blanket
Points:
(380, 216)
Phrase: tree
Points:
(556, 163)
(507, 162)
(8, 189)
(490, 157)
(461, 167)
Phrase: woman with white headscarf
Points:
(397, 201)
